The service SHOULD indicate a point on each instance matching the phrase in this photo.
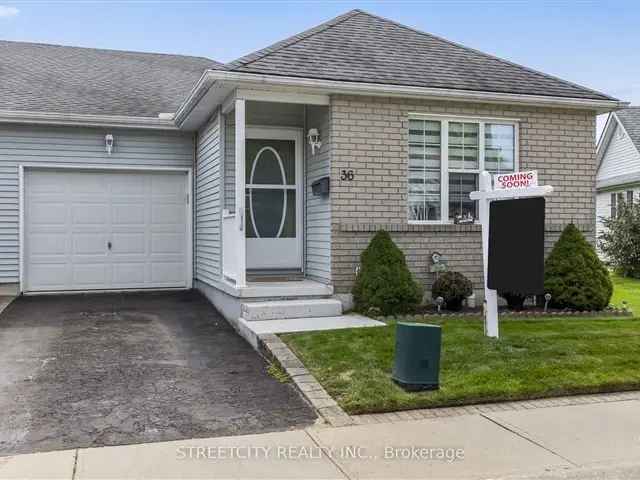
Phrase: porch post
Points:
(241, 278)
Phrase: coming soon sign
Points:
(507, 181)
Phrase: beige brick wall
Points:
(370, 136)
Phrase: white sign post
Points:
(508, 186)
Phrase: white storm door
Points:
(273, 203)
(89, 230)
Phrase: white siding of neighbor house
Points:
(603, 203)
(620, 158)
(318, 208)
(20, 144)
(208, 199)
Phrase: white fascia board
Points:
(301, 86)
(333, 86)
(605, 138)
(68, 119)
(282, 97)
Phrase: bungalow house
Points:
(618, 159)
(265, 178)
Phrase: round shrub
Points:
(454, 287)
(574, 275)
(384, 282)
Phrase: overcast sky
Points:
(596, 44)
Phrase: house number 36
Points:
(347, 175)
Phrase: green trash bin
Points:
(417, 356)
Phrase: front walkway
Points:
(579, 441)
(111, 369)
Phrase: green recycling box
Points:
(417, 356)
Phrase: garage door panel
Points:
(142, 215)
(89, 214)
(47, 213)
(164, 185)
(166, 273)
(129, 243)
(128, 214)
(49, 276)
(48, 243)
(90, 244)
(167, 214)
(167, 243)
(129, 185)
(47, 183)
(89, 275)
(84, 183)
(132, 274)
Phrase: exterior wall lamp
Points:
(108, 143)
(314, 140)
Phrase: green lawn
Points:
(627, 289)
(533, 358)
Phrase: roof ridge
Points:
(292, 40)
(114, 50)
(508, 62)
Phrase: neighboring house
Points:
(130, 170)
(618, 157)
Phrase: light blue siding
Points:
(208, 196)
(21, 144)
(318, 208)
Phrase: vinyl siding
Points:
(73, 146)
(317, 214)
(603, 203)
(318, 208)
(208, 242)
(230, 163)
(620, 158)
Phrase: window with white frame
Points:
(446, 157)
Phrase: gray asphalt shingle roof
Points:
(52, 78)
(355, 47)
(630, 118)
(360, 47)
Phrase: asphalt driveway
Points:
(110, 369)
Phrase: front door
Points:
(273, 203)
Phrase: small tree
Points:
(620, 241)
(574, 275)
(384, 281)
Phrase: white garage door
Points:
(101, 230)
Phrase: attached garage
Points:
(105, 229)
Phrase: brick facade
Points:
(370, 136)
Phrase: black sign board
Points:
(516, 246)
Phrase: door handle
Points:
(109, 245)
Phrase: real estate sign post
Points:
(507, 186)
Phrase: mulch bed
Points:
(428, 312)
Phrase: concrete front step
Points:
(311, 324)
(285, 309)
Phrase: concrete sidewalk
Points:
(596, 440)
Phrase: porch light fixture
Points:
(108, 143)
(314, 140)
